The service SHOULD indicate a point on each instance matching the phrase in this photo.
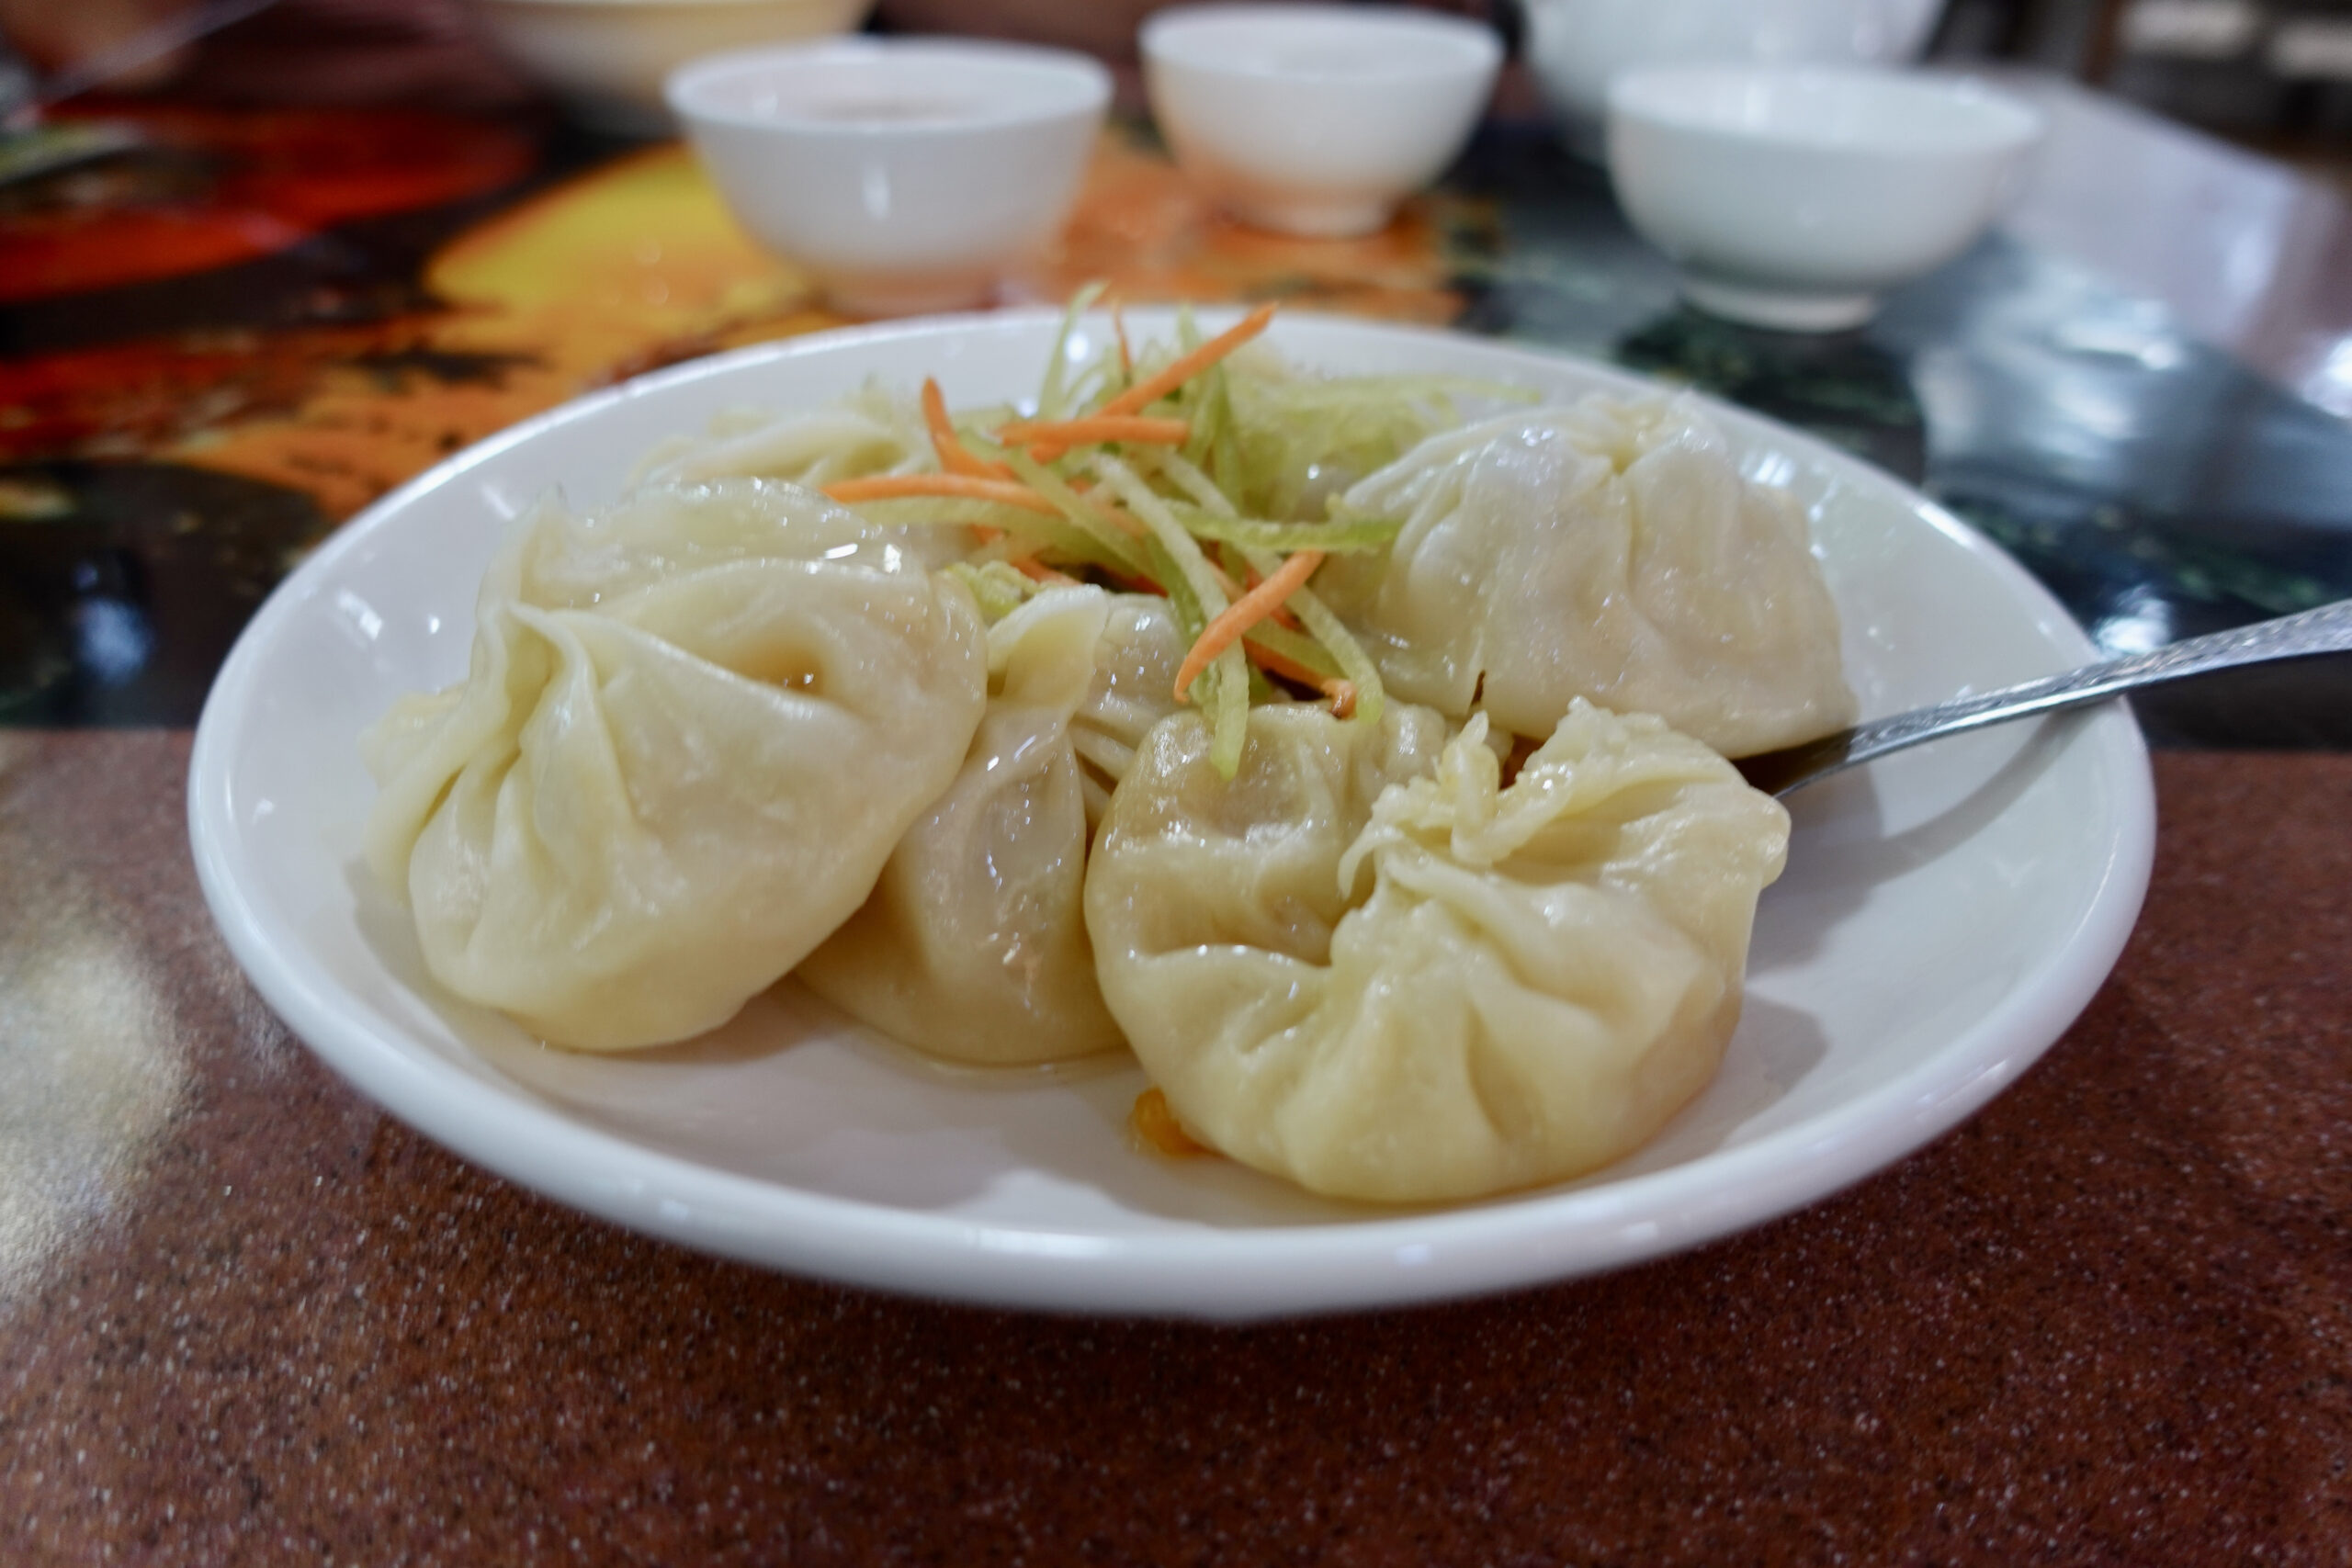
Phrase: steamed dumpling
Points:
(874, 430)
(974, 944)
(1374, 969)
(871, 431)
(1610, 550)
(694, 727)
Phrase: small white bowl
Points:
(1576, 47)
(905, 174)
(608, 59)
(1316, 119)
(1792, 197)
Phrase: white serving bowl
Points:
(1316, 119)
(1792, 197)
(905, 174)
(1577, 47)
(608, 59)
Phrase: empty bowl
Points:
(904, 175)
(1794, 196)
(1316, 119)
(1576, 47)
(608, 59)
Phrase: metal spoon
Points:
(2327, 629)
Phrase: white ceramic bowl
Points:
(1945, 913)
(1577, 47)
(906, 175)
(609, 58)
(1313, 120)
(1794, 196)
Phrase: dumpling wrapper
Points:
(1610, 550)
(1368, 967)
(694, 726)
(874, 430)
(973, 946)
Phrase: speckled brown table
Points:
(245, 1318)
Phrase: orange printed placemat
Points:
(632, 265)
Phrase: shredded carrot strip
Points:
(934, 418)
(1182, 368)
(1244, 613)
(1150, 391)
(1156, 1127)
(953, 487)
(984, 534)
(954, 457)
(1101, 428)
(1343, 692)
(1031, 567)
(1281, 616)
(1126, 359)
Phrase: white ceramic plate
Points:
(1945, 915)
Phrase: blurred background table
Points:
(243, 1317)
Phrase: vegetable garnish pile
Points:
(1186, 471)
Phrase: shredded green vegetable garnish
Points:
(1051, 397)
(999, 588)
(1227, 700)
(1296, 646)
(1180, 597)
(1188, 477)
(1084, 518)
(1321, 624)
(1331, 538)
(1265, 451)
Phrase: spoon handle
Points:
(2327, 629)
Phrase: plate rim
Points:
(1294, 1269)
